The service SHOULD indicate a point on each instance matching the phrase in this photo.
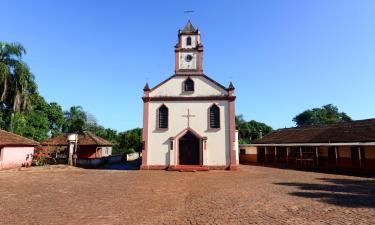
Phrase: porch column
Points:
(337, 156)
(275, 154)
(287, 155)
(317, 156)
(71, 152)
(205, 152)
(172, 152)
(300, 156)
(265, 154)
(360, 157)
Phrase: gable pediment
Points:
(174, 87)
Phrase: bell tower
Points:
(189, 51)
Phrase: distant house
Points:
(349, 145)
(88, 146)
(15, 150)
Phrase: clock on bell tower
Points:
(189, 51)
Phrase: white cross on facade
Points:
(188, 116)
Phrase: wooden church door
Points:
(189, 149)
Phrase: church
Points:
(189, 118)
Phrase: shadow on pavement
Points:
(130, 165)
(342, 192)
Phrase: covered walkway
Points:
(342, 146)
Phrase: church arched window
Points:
(189, 85)
(188, 41)
(214, 116)
(163, 117)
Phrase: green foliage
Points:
(250, 130)
(123, 143)
(56, 118)
(129, 141)
(33, 123)
(328, 114)
(75, 120)
(16, 81)
(106, 133)
(37, 126)
(2, 119)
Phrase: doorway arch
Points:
(189, 149)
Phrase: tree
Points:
(16, 80)
(250, 130)
(75, 120)
(3, 118)
(55, 117)
(40, 120)
(106, 133)
(328, 114)
(130, 141)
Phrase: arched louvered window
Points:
(214, 117)
(189, 85)
(163, 117)
(188, 41)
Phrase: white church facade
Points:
(189, 119)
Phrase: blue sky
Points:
(283, 56)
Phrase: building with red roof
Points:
(15, 150)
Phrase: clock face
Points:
(188, 61)
(188, 58)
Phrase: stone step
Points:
(188, 168)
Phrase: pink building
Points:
(15, 150)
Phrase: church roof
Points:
(10, 139)
(231, 86)
(345, 132)
(189, 28)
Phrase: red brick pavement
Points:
(252, 195)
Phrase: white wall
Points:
(193, 64)
(217, 140)
(107, 151)
(203, 87)
(193, 41)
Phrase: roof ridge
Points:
(319, 126)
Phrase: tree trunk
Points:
(16, 103)
(4, 94)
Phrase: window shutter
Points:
(188, 41)
(189, 85)
(163, 117)
(214, 117)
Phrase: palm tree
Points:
(16, 80)
(75, 120)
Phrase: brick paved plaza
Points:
(252, 195)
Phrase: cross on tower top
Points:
(189, 12)
(188, 116)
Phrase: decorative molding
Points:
(197, 98)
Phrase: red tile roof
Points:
(87, 138)
(356, 131)
(11, 139)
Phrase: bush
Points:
(40, 156)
